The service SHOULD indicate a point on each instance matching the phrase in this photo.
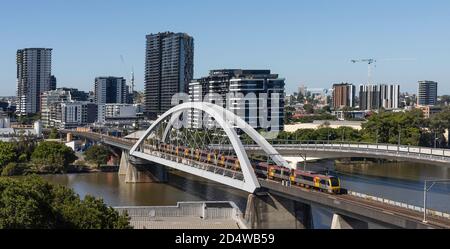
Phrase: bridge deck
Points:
(350, 205)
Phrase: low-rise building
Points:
(71, 115)
(429, 111)
(321, 123)
(118, 113)
(49, 102)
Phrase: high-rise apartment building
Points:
(343, 95)
(169, 67)
(373, 97)
(110, 90)
(369, 97)
(52, 83)
(427, 93)
(254, 95)
(34, 69)
(390, 96)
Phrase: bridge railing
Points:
(104, 137)
(185, 209)
(399, 204)
(341, 145)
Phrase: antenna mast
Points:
(132, 80)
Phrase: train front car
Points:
(328, 184)
(335, 185)
(316, 181)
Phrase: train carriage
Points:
(307, 179)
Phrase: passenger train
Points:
(300, 178)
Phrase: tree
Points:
(309, 108)
(326, 109)
(53, 134)
(97, 154)
(441, 122)
(348, 134)
(7, 153)
(32, 203)
(53, 157)
(444, 100)
(14, 169)
(29, 119)
(388, 127)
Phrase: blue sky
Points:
(308, 42)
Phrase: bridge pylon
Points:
(268, 211)
(137, 170)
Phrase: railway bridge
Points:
(271, 204)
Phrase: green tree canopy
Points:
(32, 203)
(441, 122)
(53, 157)
(53, 134)
(7, 153)
(309, 108)
(97, 154)
(385, 127)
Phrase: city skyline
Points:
(313, 49)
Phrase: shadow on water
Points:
(207, 190)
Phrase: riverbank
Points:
(72, 169)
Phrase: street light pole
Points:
(435, 140)
(425, 190)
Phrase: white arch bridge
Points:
(170, 142)
(219, 154)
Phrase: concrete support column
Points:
(345, 222)
(135, 174)
(124, 162)
(266, 211)
(141, 171)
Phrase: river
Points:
(397, 181)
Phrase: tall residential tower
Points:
(34, 70)
(373, 97)
(110, 90)
(343, 95)
(427, 94)
(169, 67)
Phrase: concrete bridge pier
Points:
(141, 171)
(267, 211)
(344, 222)
(124, 162)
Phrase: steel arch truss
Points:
(181, 145)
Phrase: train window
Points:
(307, 178)
(323, 182)
(334, 181)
